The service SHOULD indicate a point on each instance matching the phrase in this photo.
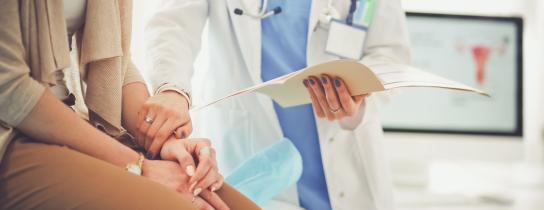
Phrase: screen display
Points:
(482, 52)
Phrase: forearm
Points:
(173, 37)
(235, 199)
(50, 121)
(385, 45)
(134, 96)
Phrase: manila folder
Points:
(289, 90)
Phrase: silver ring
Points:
(205, 151)
(335, 110)
(148, 120)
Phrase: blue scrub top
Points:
(284, 51)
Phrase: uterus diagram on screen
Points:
(480, 55)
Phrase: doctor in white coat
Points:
(344, 163)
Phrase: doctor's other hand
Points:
(195, 152)
(162, 115)
(331, 98)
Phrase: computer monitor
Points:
(483, 52)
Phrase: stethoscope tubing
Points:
(263, 13)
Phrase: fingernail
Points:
(337, 82)
(312, 82)
(190, 170)
(324, 79)
(149, 155)
(182, 135)
(305, 83)
(192, 186)
(197, 191)
(213, 189)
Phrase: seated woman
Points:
(50, 157)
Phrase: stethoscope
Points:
(262, 14)
(327, 15)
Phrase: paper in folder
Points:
(289, 90)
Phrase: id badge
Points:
(346, 41)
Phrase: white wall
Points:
(471, 7)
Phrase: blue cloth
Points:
(279, 164)
(284, 38)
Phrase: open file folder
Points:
(288, 90)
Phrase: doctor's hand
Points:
(195, 152)
(161, 116)
(331, 98)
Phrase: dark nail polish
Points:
(305, 83)
(149, 155)
(324, 79)
(312, 82)
(337, 82)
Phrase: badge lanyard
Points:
(362, 16)
(347, 38)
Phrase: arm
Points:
(50, 115)
(50, 121)
(135, 93)
(134, 96)
(28, 106)
(174, 39)
(387, 38)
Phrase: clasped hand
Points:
(177, 171)
(161, 116)
(188, 165)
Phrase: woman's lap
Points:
(35, 175)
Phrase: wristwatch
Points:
(136, 167)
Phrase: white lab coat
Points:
(356, 169)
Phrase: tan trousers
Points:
(41, 176)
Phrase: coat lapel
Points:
(248, 34)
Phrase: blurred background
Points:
(460, 151)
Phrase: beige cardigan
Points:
(34, 44)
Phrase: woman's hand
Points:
(166, 173)
(171, 175)
(206, 176)
(161, 116)
(331, 98)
